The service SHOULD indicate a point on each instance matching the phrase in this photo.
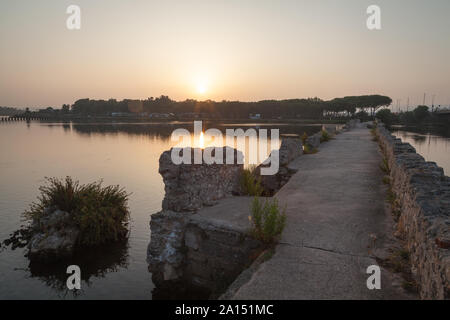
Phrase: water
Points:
(433, 145)
(124, 154)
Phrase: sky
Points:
(246, 50)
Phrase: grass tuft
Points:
(391, 197)
(373, 132)
(384, 166)
(399, 262)
(251, 183)
(100, 213)
(307, 149)
(304, 137)
(268, 221)
(325, 136)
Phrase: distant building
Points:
(160, 115)
(120, 114)
(255, 116)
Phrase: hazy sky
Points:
(231, 49)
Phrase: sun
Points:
(201, 143)
(201, 88)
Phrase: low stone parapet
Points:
(423, 200)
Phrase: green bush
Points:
(250, 182)
(267, 220)
(325, 136)
(307, 149)
(101, 213)
(304, 137)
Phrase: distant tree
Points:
(9, 111)
(386, 116)
(407, 117)
(376, 101)
(368, 103)
(340, 105)
(362, 115)
(65, 108)
(421, 113)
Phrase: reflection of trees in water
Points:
(419, 139)
(66, 127)
(94, 262)
(421, 136)
(443, 131)
(164, 131)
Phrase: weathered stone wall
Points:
(190, 245)
(216, 253)
(189, 187)
(423, 197)
(290, 150)
(165, 254)
(207, 249)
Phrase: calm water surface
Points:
(431, 145)
(124, 154)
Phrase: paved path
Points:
(335, 210)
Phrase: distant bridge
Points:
(22, 118)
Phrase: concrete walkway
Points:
(336, 223)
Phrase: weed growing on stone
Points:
(373, 132)
(307, 149)
(391, 197)
(398, 262)
(304, 137)
(384, 166)
(250, 182)
(268, 221)
(325, 136)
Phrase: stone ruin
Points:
(201, 238)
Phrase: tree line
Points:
(270, 109)
(419, 116)
(9, 111)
